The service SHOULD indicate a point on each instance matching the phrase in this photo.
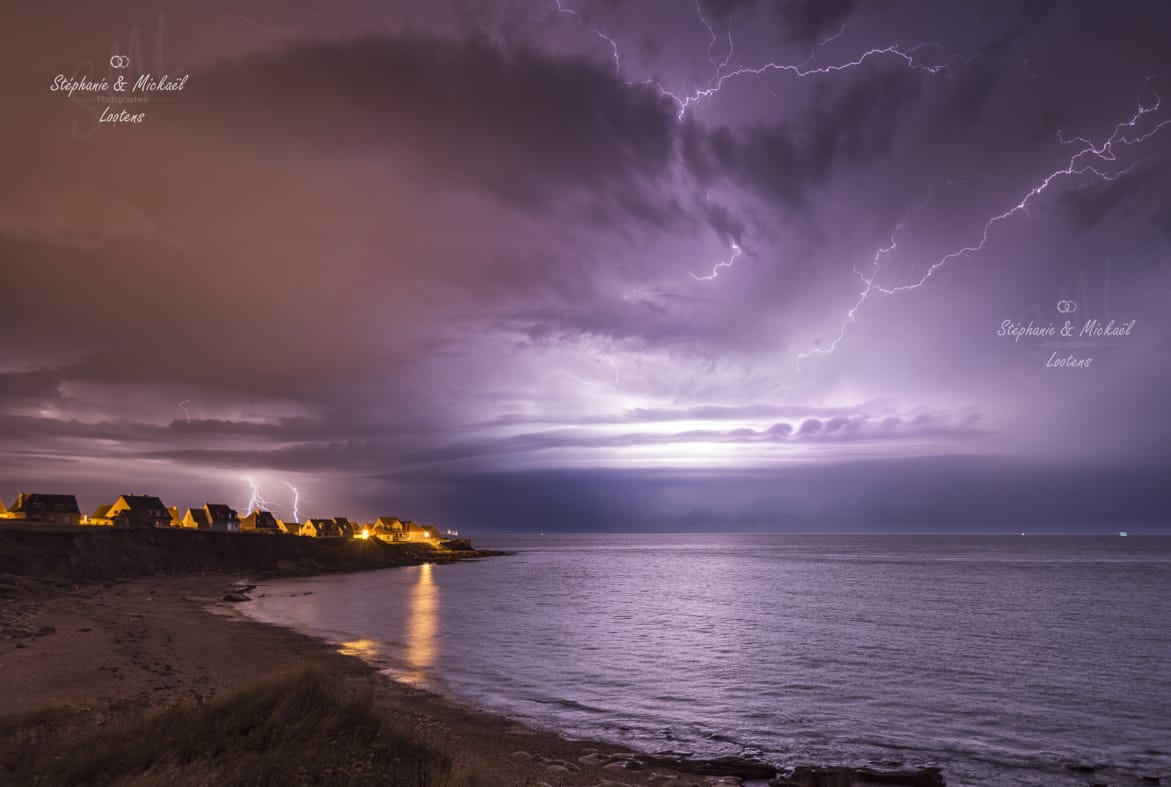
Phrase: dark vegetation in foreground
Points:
(312, 728)
(50, 553)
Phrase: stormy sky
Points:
(594, 266)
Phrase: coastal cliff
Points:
(85, 554)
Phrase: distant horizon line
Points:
(1114, 533)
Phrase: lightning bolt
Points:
(597, 32)
(881, 254)
(296, 502)
(717, 67)
(183, 404)
(736, 252)
(256, 501)
(614, 366)
(802, 70)
(720, 76)
(580, 380)
(909, 56)
(827, 40)
(1090, 158)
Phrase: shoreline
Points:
(80, 652)
(151, 644)
(74, 657)
(662, 768)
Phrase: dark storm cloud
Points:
(517, 122)
(802, 22)
(67, 288)
(371, 262)
(180, 430)
(40, 385)
(308, 445)
(969, 97)
(844, 126)
(1086, 208)
(149, 314)
(339, 456)
(724, 222)
(940, 494)
(1021, 20)
(808, 21)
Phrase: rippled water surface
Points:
(1002, 659)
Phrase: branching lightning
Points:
(736, 252)
(595, 31)
(718, 68)
(827, 40)
(296, 502)
(720, 76)
(1098, 160)
(258, 502)
(909, 56)
(803, 70)
(1090, 158)
(880, 255)
(581, 380)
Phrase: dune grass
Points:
(312, 728)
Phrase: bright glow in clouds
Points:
(547, 253)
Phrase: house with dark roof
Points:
(139, 511)
(196, 519)
(388, 528)
(222, 517)
(36, 507)
(100, 516)
(290, 527)
(413, 531)
(345, 527)
(219, 517)
(260, 522)
(320, 528)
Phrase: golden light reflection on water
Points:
(362, 648)
(422, 625)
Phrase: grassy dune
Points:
(307, 729)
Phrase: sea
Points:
(1003, 660)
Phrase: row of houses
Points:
(148, 511)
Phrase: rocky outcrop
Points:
(740, 767)
(818, 776)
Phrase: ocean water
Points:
(1003, 660)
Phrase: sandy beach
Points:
(102, 652)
